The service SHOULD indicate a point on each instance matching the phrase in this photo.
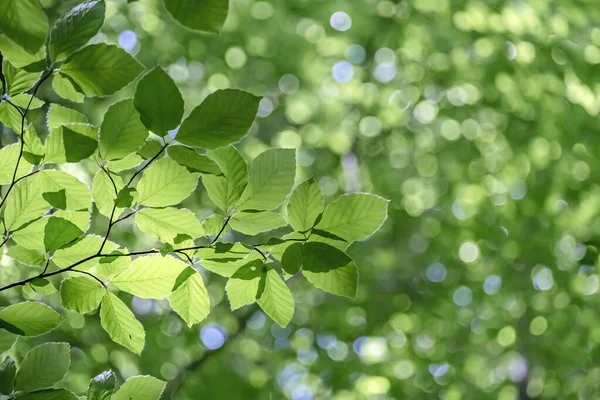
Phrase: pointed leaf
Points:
(120, 324)
(24, 22)
(166, 223)
(225, 190)
(122, 131)
(354, 216)
(59, 116)
(101, 69)
(276, 299)
(224, 117)
(165, 183)
(150, 277)
(104, 194)
(59, 232)
(194, 161)
(27, 256)
(81, 294)
(31, 318)
(75, 28)
(17, 80)
(270, 180)
(63, 87)
(305, 205)
(43, 366)
(190, 299)
(159, 102)
(243, 286)
(253, 223)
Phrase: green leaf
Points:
(121, 132)
(226, 258)
(276, 299)
(63, 87)
(25, 202)
(140, 388)
(56, 199)
(329, 269)
(33, 150)
(207, 16)
(291, 260)
(104, 194)
(253, 223)
(43, 366)
(166, 223)
(150, 277)
(27, 256)
(71, 143)
(32, 235)
(305, 205)
(102, 386)
(120, 324)
(77, 193)
(224, 117)
(270, 180)
(8, 371)
(59, 116)
(19, 57)
(17, 80)
(83, 249)
(159, 102)
(75, 28)
(100, 69)
(24, 22)
(190, 299)
(150, 148)
(59, 232)
(7, 339)
(125, 197)
(354, 216)
(41, 287)
(109, 267)
(243, 286)
(226, 190)
(8, 162)
(49, 394)
(77, 145)
(212, 225)
(81, 294)
(193, 161)
(10, 117)
(129, 162)
(31, 318)
(165, 183)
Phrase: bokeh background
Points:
(478, 119)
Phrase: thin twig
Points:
(92, 275)
(147, 164)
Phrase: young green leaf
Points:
(276, 299)
(270, 180)
(329, 269)
(207, 16)
(150, 277)
(58, 116)
(59, 232)
(166, 223)
(354, 216)
(140, 387)
(32, 235)
(43, 366)
(120, 324)
(81, 294)
(25, 202)
(190, 299)
(291, 260)
(121, 132)
(27, 256)
(24, 22)
(159, 102)
(64, 88)
(8, 371)
(71, 143)
(225, 190)
(83, 249)
(75, 28)
(19, 57)
(224, 117)
(17, 80)
(78, 193)
(7, 339)
(253, 223)
(30, 318)
(100, 69)
(165, 183)
(128, 162)
(125, 198)
(244, 285)
(41, 286)
(226, 258)
(109, 267)
(104, 193)
(102, 386)
(213, 224)
(8, 162)
(305, 205)
(194, 161)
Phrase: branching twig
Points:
(147, 164)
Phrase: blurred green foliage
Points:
(477, 120)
